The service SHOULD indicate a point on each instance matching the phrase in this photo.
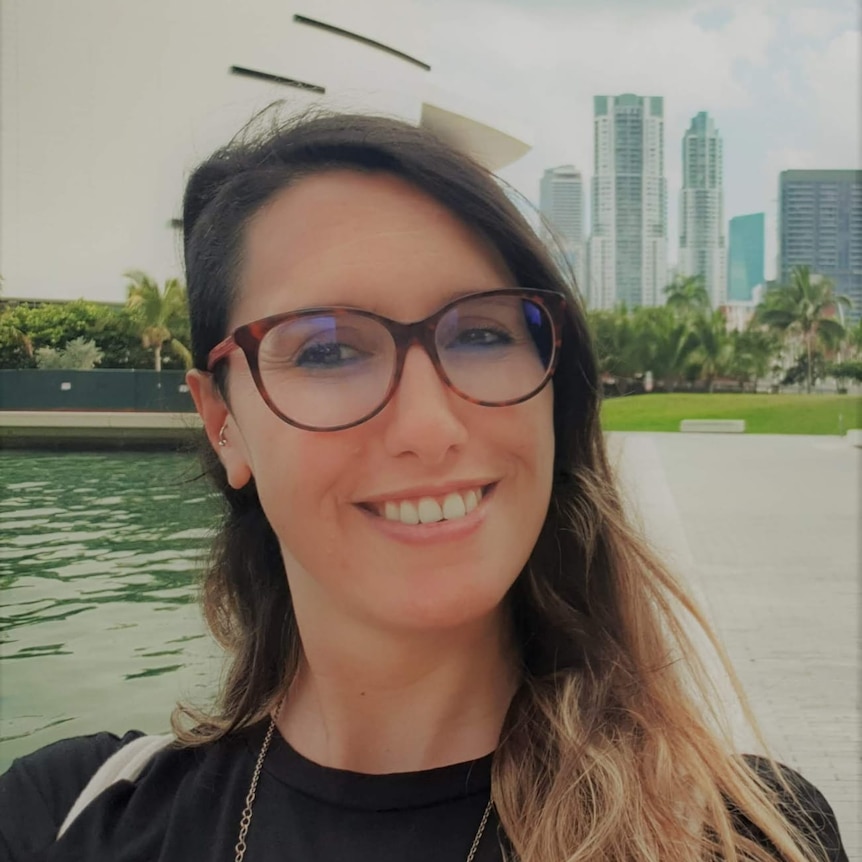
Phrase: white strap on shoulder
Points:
(123, 765)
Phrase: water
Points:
(99, 626)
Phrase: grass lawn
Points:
(763, 414)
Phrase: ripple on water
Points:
(31, 513)
(97, 593)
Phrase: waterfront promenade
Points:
(764, 530)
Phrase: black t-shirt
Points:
(187, 803)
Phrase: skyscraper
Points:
(561, 202)
(820, 226)
(701, 208)
(745, 258)
(628, 245)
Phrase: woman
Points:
(446, 641)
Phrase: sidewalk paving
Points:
(764, 530)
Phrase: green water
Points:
(99, 625)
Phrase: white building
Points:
(702, 244)
(628, 245)
(105, 107)
(561, 203)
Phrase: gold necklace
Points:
(245, 820)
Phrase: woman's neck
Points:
(380, 703)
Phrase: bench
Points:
(713, 426)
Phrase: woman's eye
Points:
(328, 355)
(482, 337)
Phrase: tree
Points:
(158, 314)
(752, 353)
(806, 369)
(79, 354)
(713, 351)
(616, 345)
(25, 326)
(804, 307)
(664, 343)
(688, 295)
(16, 347)
(850, 369)
(854, 339)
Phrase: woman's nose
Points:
(423, 416)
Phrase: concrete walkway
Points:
(764, 530)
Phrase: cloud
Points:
(596, 49)
(832, 78)
(780, 78)
(820, 23)
(789, 159)
(546, 61)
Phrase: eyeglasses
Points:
(327, 369)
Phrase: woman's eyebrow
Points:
(377, 308)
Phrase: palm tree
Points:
(615, 344)
(714, 348)
(688, 295)
(12, 335)
(753, 350)
(157, 312)
(664, 343)
(804, 307)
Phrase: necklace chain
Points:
(245, 820)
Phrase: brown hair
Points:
(610, 749)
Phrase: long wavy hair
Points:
(614, 747)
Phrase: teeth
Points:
(454, 507)
(408, 513)
(427, 510)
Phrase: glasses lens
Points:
(327, 370)
(496, 348)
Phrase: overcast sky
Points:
(780, 78)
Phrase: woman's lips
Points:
(440, 530)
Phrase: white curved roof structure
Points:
(494, 141)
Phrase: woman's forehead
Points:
(366, 240)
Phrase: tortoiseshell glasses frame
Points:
(248, 338)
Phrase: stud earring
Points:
(222, 440)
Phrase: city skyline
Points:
(835, 239)
(780, 79)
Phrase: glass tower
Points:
(820, 226)
(745, 260)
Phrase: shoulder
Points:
(803, 805)
(39, 789)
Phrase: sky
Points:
(779, 77)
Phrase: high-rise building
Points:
(745, 258)
(561, 203)
(628, 245)
(701, 208)
(820, 226)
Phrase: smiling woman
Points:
(445, 640)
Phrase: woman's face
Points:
(377, 243)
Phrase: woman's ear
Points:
(220, 427)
